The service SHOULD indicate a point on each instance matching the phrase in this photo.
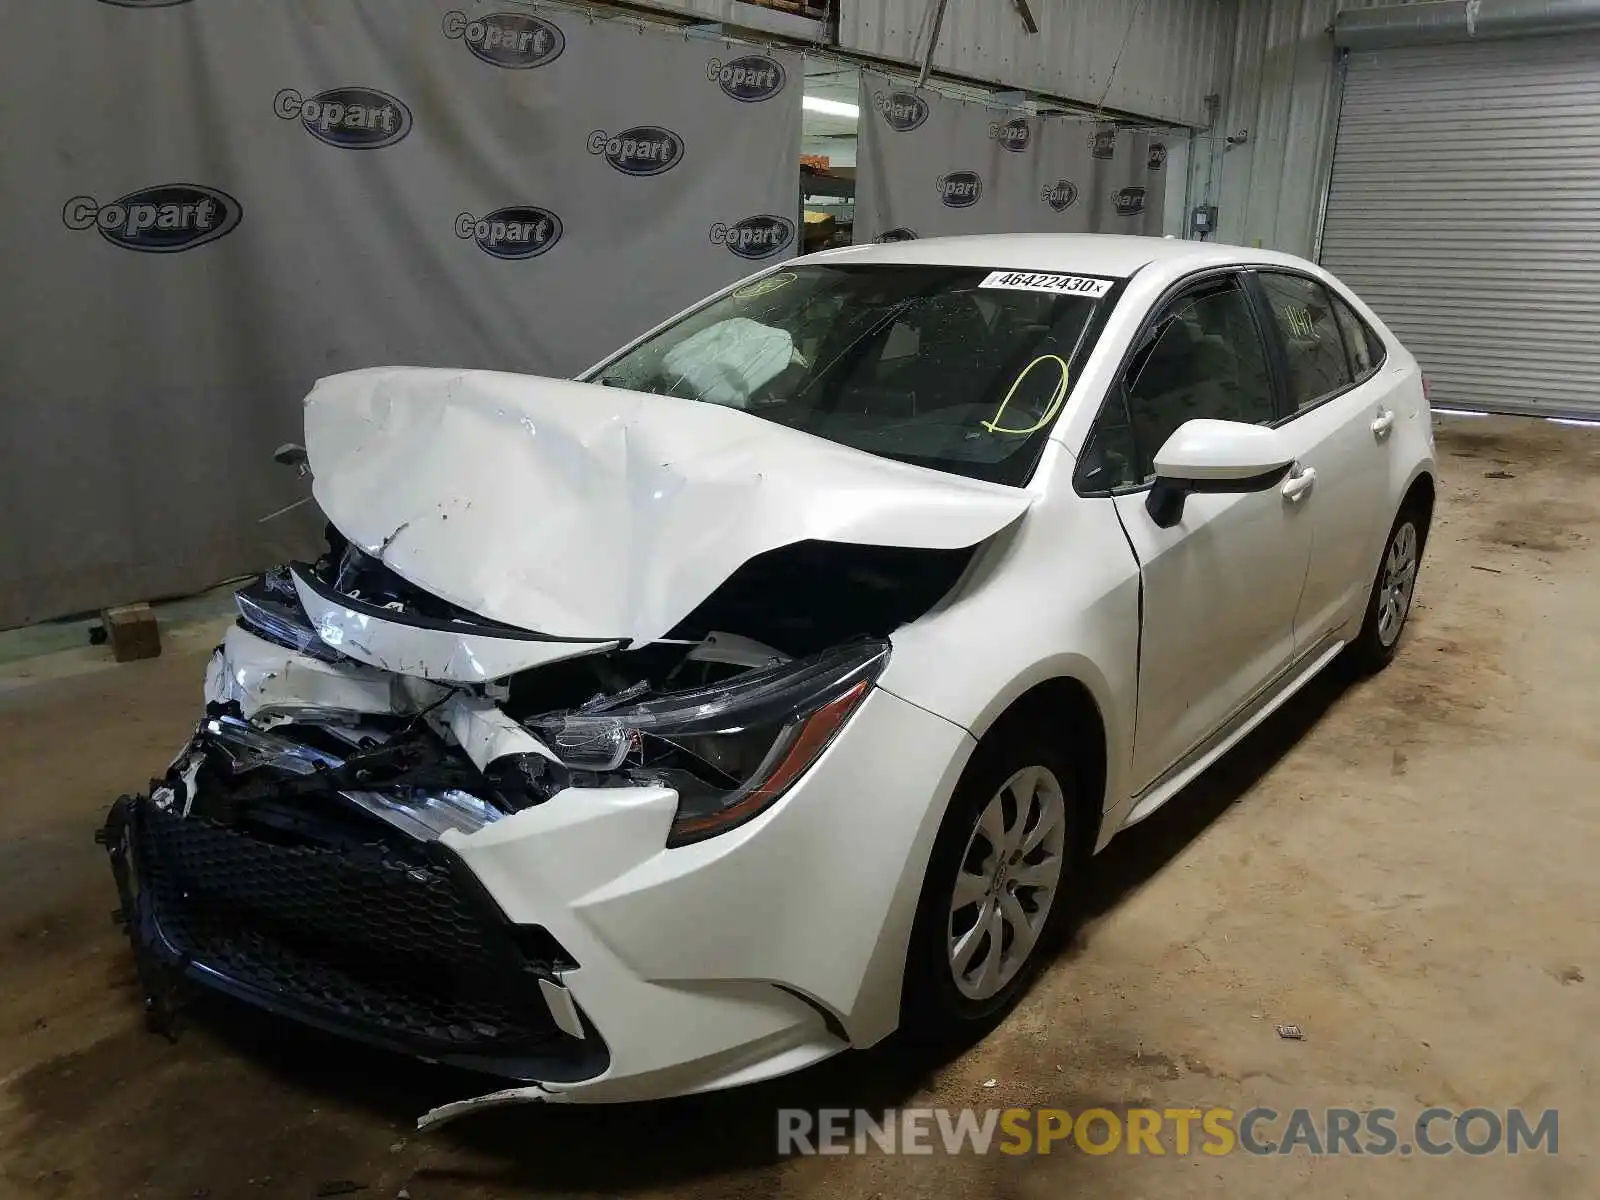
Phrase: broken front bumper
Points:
(403, 952)
(563, 945)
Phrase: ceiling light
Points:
(833, 108)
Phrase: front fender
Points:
(1056, 596)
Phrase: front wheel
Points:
(995, 891)
(1392, 592)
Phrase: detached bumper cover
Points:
(410, 956)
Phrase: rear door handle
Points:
(1298, 484)
(1383, 423)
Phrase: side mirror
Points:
(292, 454)
(1214, 456)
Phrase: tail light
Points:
(1427, 390)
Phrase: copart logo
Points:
(518, 231)
(898, 234)
(507, 39)
(1103, 143)
(760, 236)
(960, 189)
(1128, 201)
(158, 220)
(642, 150)
(1060, 195)
(902, 111)
(1157, 157)
(352, 118)
(1014, 135)
(750, 79)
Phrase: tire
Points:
(1393, 590)
(1020, 891)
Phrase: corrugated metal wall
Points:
(1273, 61)
(1268, 188)
(736, 12)
(1283, 92)
(1155, 58)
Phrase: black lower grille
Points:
(354, 936)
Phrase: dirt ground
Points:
(1405, 867)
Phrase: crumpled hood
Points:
(580, 511)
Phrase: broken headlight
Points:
(734, 747)
(270, 607)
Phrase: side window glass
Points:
(1375, 346)
(1311, 341)
(1109, 459)
(1364, 346)
(1204, 358)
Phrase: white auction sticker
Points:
(1038, 281)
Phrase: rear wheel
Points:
(1392, 593)
(996, 889)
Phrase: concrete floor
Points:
(1406, 868)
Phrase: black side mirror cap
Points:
(1165, 500)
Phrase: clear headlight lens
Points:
(744, 741)
(271, 608)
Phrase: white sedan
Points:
(767, 689)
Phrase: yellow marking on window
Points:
(1300, 323)
(1057, 398)
(765, 285)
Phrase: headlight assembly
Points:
(733, 748)
(269, 607)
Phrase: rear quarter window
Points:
(1362, 343)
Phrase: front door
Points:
(1220, 587)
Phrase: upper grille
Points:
(355, 935)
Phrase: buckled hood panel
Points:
(587, 512)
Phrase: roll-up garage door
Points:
(1465, 208)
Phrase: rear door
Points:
(1340, 420)
(1220, 587)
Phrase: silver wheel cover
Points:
(1396, 583)
(1006, 883)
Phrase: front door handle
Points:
(1383, 423)
(1298, 484)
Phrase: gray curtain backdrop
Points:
(205, 205)
(928, 165)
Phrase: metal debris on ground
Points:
(989, 1083)
(1491, 570)
(339, 1187)
(1293, 1032)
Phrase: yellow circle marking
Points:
(1057, 398)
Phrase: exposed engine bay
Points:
(700, 711)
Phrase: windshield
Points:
(961, 369)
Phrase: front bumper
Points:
(564, 945)
(405, 953)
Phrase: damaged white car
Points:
(768, 688)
